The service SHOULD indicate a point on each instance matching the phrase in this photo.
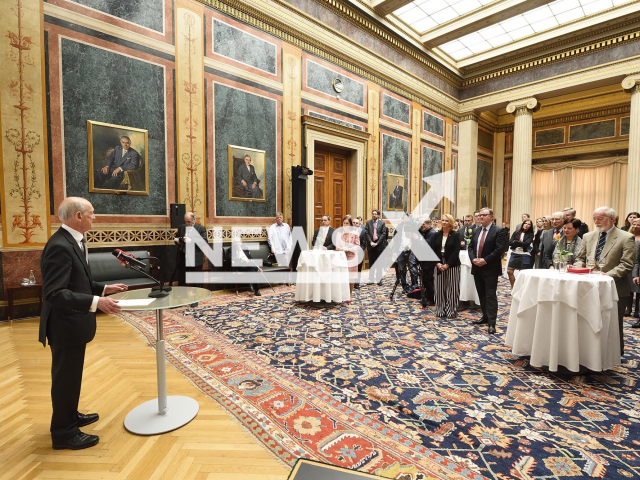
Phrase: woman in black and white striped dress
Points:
(446, 244)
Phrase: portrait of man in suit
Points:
(123, 168)
(395, 187)
(246, 171)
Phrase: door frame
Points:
(354, 142)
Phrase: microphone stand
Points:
(263, 275)
(153, 293)
(163, 287)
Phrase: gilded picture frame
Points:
(121, 150)
(246, 180)
(483, 197)
(395, 200)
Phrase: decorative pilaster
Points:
(447, 207)
(416, 157)
(522, 154)
(467, 174)
(292, 105)
(632, 85)
(373, 150)
(24, 185)
(190, 108)
(498, 176)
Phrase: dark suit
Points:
(547, 246)
(250, 177)
(395, 200)
(68, 325)
(363, 246)
(328, 241)
(427, 267)
(486, 277)
(374, 252)
(181, 264)
(584, 228)
(451, 248)
(521, 261)
(130, 161)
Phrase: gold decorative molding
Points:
(631, 83)
(291, 134)
(574, 117)
(415, 180)
(299, 38)
(468, 116)
(559, 56)
(582, 149)
(335, 128)
(373, 157)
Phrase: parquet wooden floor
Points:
(119, 374)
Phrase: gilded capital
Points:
(523, 104)
(631, 83)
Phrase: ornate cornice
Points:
(581, 149)
(559, 56)
(468, 116)
(285, 32)
(631, 84)
(574, 117)
(335, 128)
(525, 105)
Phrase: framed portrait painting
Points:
(395, 192)
(247, 171)
(118, 159)
(483, 197)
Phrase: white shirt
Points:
(279, 237)
(124, 152)
(77, 236)
(485, 236)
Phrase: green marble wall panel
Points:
(146, 13)
(395, 160)
(335, 120)
(108, 87)
(245, 120)
(624, 125)
(483, 184)
(553, 136)
(592, 131)
(396, 109)
(485, 139)
(238, 45)
(432, 161)
(321, 79)
(433, 124)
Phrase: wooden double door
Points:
(331, 187)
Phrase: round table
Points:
(322, 275)
(468, 291)
(565, 319)
(163, 414)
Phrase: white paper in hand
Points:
(135, 302)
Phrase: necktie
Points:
(84, 249)
(484, 234)
(601, 241)
(375, 230)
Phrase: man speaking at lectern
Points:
(68, 319)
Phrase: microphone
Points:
(126, 258)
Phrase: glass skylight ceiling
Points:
(422, 15)
(529, 23)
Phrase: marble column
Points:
(632, 85)
(498, 176)
(522, 154)
(467, 173)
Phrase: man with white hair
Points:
(68, 319)
(279, 236)
(617, 248)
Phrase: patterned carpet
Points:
(386, 388)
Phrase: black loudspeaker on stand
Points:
(299, 175)
(176, 213)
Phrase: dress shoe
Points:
(636, 325)
(80, 441)
(380, 283)
(492, 329)
(87, 419)
(258, 294)
(481, 321)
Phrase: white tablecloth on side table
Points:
(468, 292)
(322, 275)
(565, 319)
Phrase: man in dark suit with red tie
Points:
(488, 244)
(68, 319)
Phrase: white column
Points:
(497, 186)
(467, 167)
(632, 85)
(522, 154)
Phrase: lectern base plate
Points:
(145, 419)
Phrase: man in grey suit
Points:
(183, 236)
(121, 159)
(548, 243)
(618, 250)
(247, 180)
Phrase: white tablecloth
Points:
(322, 275)
(565, 319)
(468, 292)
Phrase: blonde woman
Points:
(446, 244)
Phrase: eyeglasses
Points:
(483, 214)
